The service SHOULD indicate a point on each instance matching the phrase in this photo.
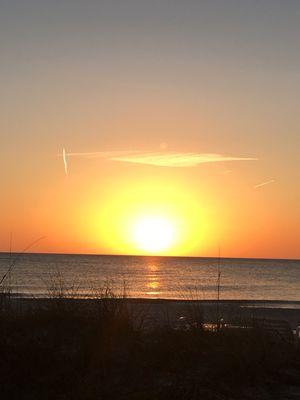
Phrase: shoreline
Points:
(28, 296)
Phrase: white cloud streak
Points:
(162, 159)
(177, 159)
(264, 183)
(65, 162)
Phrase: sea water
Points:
(152, 277)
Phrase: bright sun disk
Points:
(153, 234)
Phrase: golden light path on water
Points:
(153, 284)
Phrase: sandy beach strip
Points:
(161, 312)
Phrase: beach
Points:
(119, 348)
(160, 312)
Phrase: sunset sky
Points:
(179, 119)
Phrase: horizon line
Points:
(149, 255)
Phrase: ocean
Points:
(39, 275)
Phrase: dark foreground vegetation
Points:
(60, 350)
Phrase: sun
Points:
(153, 234)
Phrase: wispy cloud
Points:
(264, 183)
(172, 159)
(65, 162)
(163, 159)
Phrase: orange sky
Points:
(159, 86)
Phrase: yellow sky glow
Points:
(150, 219)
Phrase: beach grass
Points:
(63, 348)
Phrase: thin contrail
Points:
(65, 161)
(264, 183)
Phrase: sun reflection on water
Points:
(153, 283)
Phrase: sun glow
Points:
(153, 234)
(149, 218)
